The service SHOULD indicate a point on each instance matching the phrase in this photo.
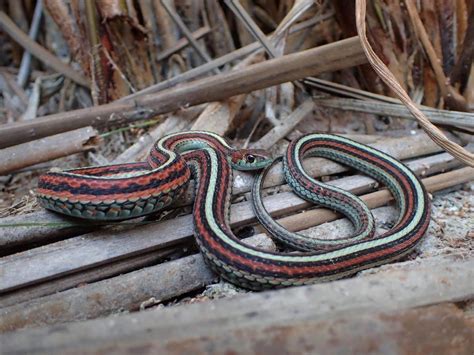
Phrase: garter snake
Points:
(122, 191)
(211, 167)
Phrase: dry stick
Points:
(347, 91)
(281, 130)
(171, 124)
(49, 148)
(221, 39)
(98, 248)
(39, 52)
(389, 79)
(12, 84)
(125, 292)
(183, 43)
(59, 11)
(466, 57)
(270, 44)
(469, 92)
(401, 148)
(254, 321)
(449, 94)
(334, 56)
(166, 30)
(171, 279)
(25, 65)
(243, 16)
(218, 116)
(35, 74)
(452, 118)
(362, 98)
(38, 227)
(215, 63)
(187, 33)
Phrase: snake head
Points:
(250, 159)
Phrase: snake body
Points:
(251, 267)
(122, 191)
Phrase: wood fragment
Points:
(122, 293)
(252, 322)
(187, 33)
(14, 87)
(101, 272)
(452, 97)
(290, 122)
(174, 123)
(66, 257)
(60, 145)
(444, 117)
(183, 43)
(221, 41)
(215, 63)
(401, 148)
(166, 27)
(218, 116)
(72, 35)
(460, 72)
(39, 52)
(218, 87)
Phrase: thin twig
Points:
(218, 62)
(334, 56)
(187, 33)
(25, 64)
(450, 95)
(38, 51)
(182, 43)
(389, 79)
(256, 32)
(452, 118)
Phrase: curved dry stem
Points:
(381, 69)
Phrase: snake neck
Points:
(174, 144)
(179, 143)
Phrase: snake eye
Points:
(251, 159)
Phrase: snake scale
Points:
(122, 191)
